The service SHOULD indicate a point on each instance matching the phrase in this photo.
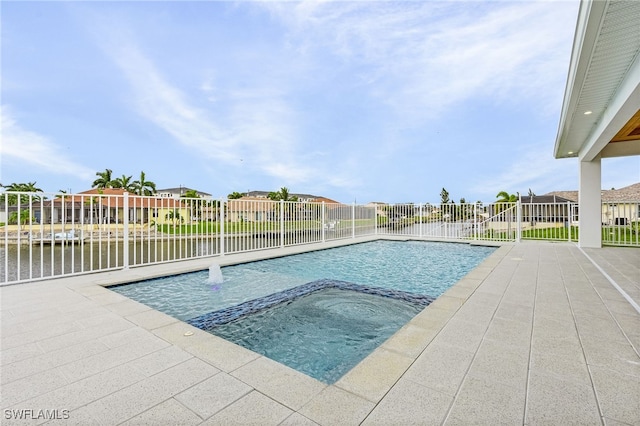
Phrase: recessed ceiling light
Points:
(587, 112)
(570, 152)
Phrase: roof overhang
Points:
(601, 109)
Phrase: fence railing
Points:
(621, 223)
(489, 222)
(50, 235)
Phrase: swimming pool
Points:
(348, 324)
(396, 277)
(420, 267)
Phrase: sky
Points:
(354, 101)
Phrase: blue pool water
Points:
(427, 268)
(319, 312)
(349, 325)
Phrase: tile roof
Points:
(252, 195)
(627, 193)
(545, 199)
(181, 190)
(105, 191)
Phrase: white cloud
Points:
(531, 167)
(620, 172)
(35, 150)
(208, 87)
(396, 64)
(425, 57)
(536, 169)
(254, 127)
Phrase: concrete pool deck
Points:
(535, 335)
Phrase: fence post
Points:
(281, 223)
(420, 220)
(125, 231)
(222, 219)
(353, 220)
(322, 223)
(519, 221)
(475, 221)
(569, 220)
(375, 219)
(444, 219)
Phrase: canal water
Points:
(19, 262)
(24, 261)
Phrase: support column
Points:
(590, 204)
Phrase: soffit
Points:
(603, 69)
(631, 131)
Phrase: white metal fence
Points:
(621, 223)
(492, 222)
(50, 235)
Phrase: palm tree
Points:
(93, 204)
(235, 195)
(24, 217)
(194, 206)
(104, 179)
(192, 193)
(123, 182)
(143, 186)
(30, 187)
(23, 187)
(283, 195)
(174, 216)
(505, 197)
(12, 199)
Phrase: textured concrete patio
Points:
(535, 335)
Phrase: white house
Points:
(600, 115)
(178, 192)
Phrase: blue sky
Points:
(364, 101)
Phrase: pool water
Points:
(426, 268)
(348, 326)
(289, 309)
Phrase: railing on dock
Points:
(51, 235)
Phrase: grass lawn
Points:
(555, 234)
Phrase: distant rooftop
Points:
(545, 199)
(628, 193)
(301, 197)
(180, 191)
